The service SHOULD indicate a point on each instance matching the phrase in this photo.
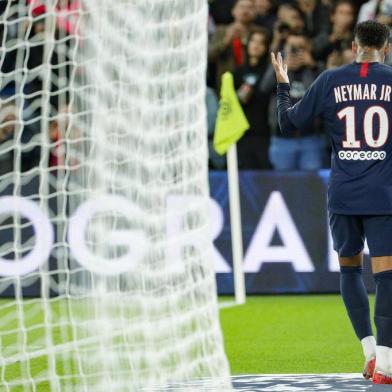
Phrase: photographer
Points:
(343, 20)
(341, 55)
(253, 147)
(266, 14)
(290, 19)
(316, 16)
(304, 149)
(226, 49)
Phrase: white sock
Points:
(390, 360)
(382, 358)
(369, 347)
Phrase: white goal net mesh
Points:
(106, 270)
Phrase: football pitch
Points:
(291, 334)
(268, 335)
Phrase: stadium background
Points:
(314, 35)
(289, 252)
(270, 334)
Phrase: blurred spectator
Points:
(340, 57)
(61, 132)
(253, 146)
(12, 128)
(211, 27)
(67, 13)
(220, 10)
(305, 149)
(7, 121)
(328, 3)
(216, 161)
(290, 19)
(68, 16)
(35, 31)
(380, 10)
(7, 126)
(227, 46)
(341, 31)
(235, 44)
(8, 51)
(59, 62)
(266, 14)
(57, 128)
(316, 16)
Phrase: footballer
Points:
(355, 102)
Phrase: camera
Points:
(250, 79)
(338, 45)
(283, 28)
(294, 50)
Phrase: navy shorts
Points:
(349, 233)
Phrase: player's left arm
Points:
(304, 112)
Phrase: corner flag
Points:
(231, 122)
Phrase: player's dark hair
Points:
(372, 34)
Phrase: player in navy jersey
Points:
(355, 102)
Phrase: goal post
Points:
(105, 243)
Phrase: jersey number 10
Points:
(349, 114)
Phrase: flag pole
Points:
(231, 124)
(235, 224)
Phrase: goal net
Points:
(106, 270)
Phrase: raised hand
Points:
(280, 68)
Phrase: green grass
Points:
(291, 334)
(269, 334)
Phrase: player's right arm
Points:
(304, 112)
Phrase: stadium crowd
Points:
(23, 82)
(313, 35)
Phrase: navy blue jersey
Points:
(355, 102)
